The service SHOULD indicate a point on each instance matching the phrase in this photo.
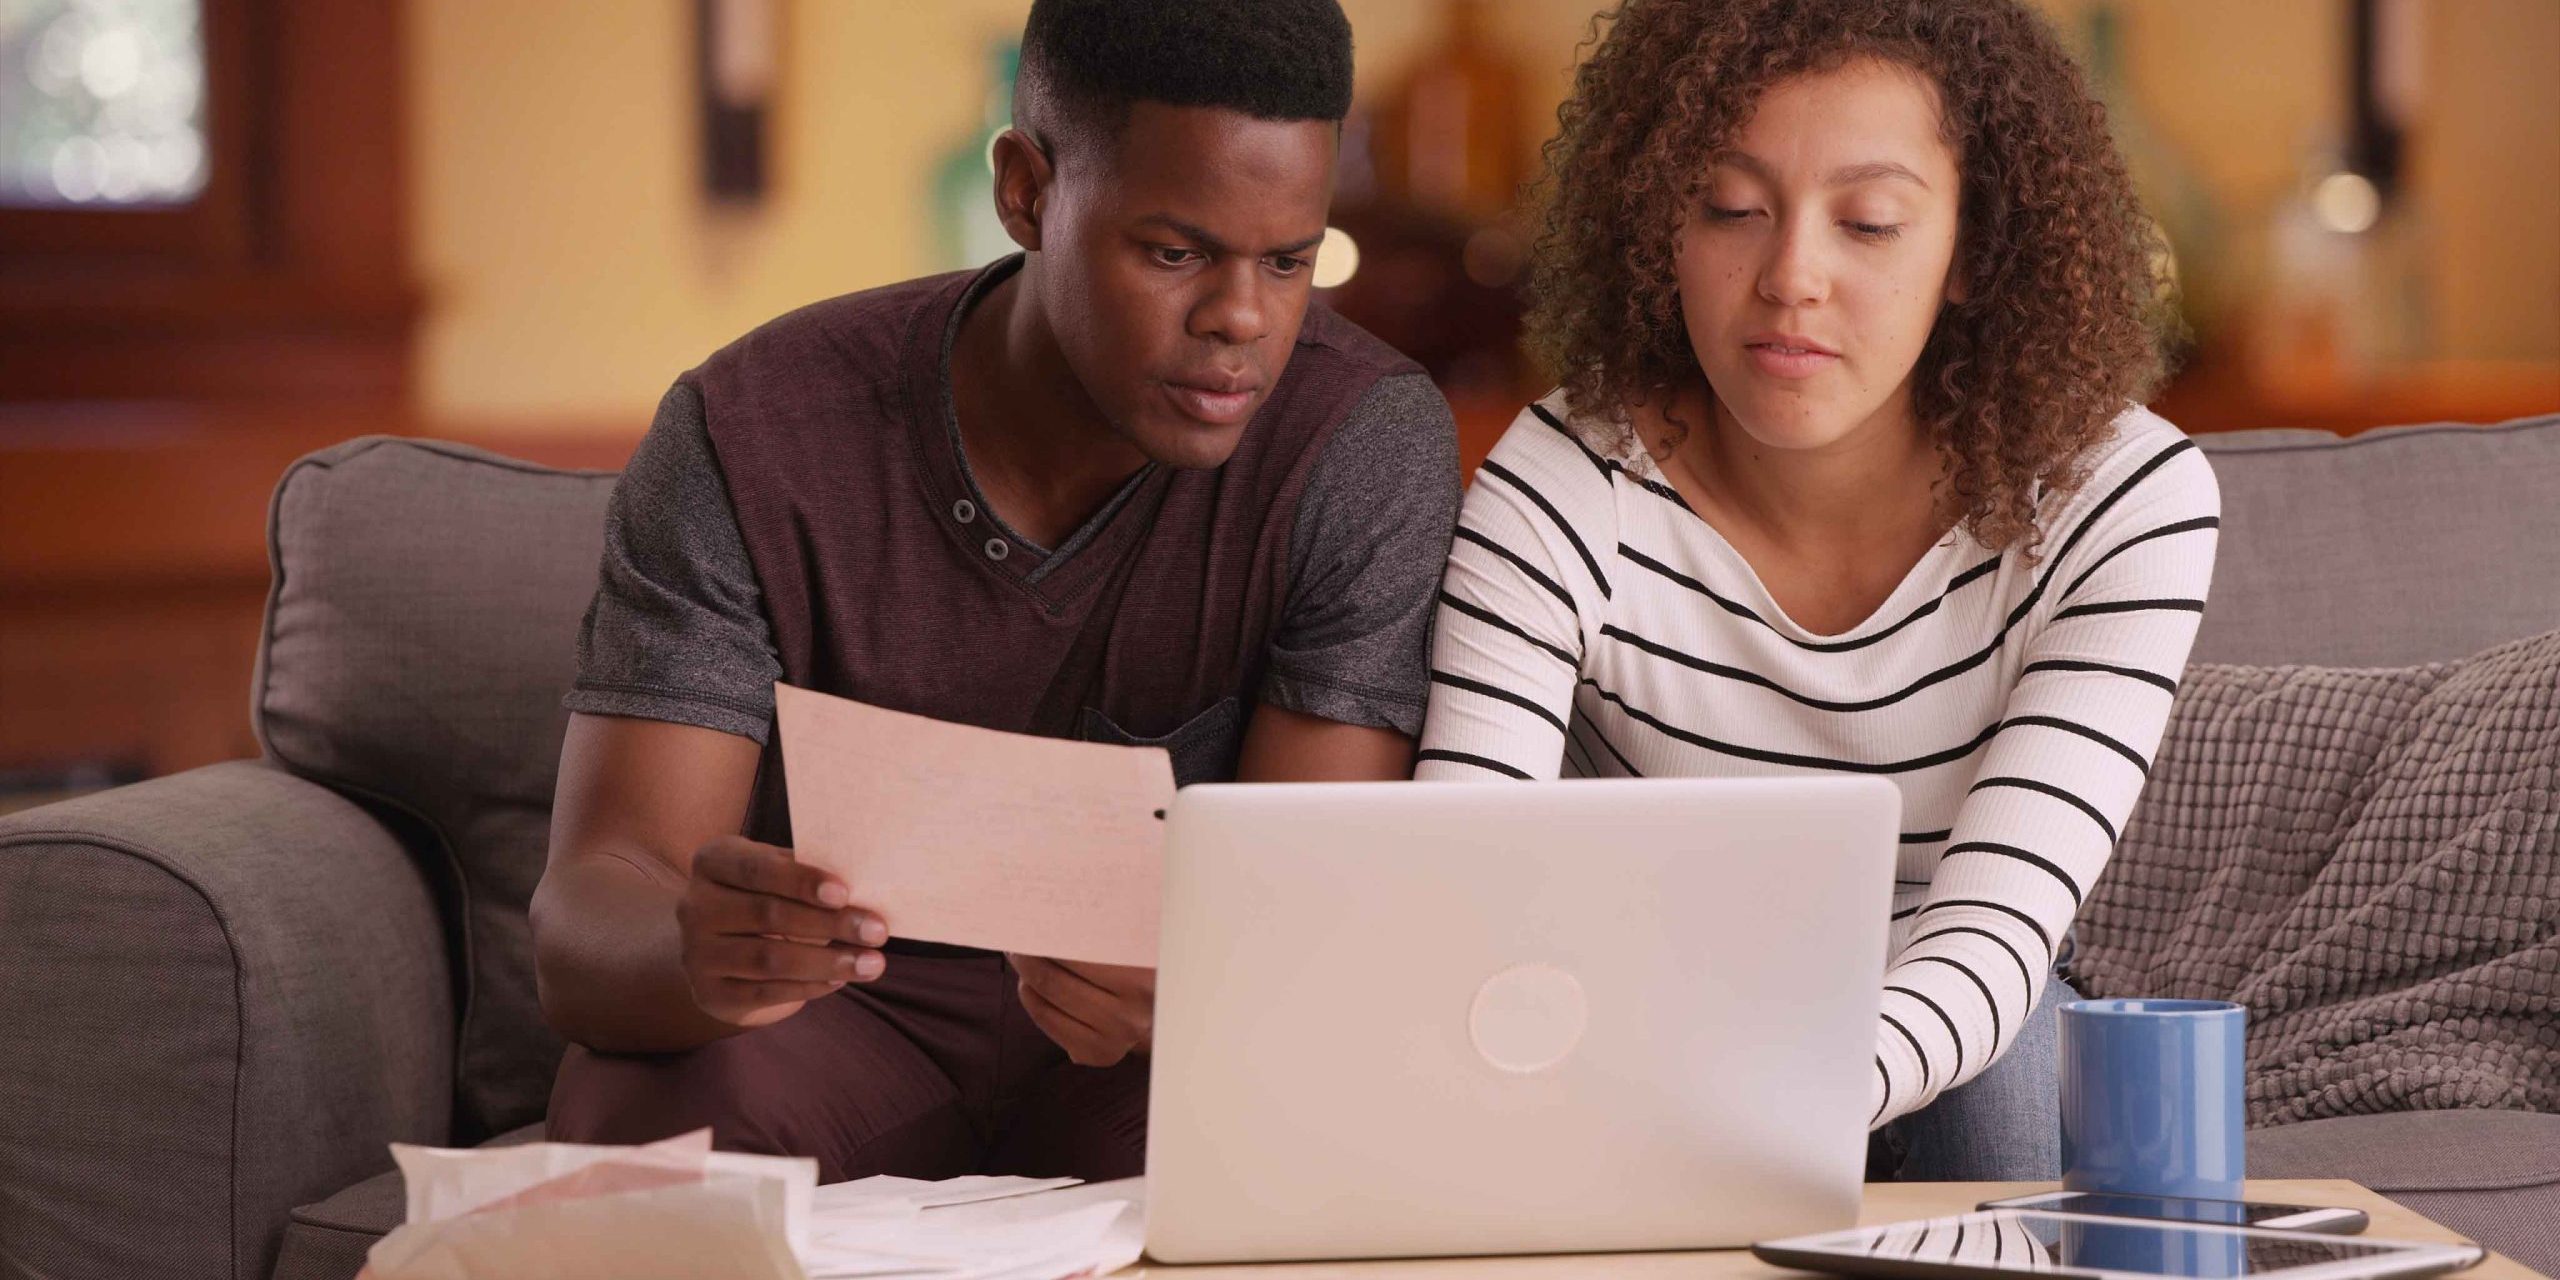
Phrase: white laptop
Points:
(1416, 1019)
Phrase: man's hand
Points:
(763, 934)
(1098, 1013)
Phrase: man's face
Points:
(1176, 271)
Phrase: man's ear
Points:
(1023, 175)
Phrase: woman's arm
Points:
(1536, 539)
(2120, 601)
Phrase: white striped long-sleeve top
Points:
(1591, 624)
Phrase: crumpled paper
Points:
(674, 1209)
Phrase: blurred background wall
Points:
(513, 223)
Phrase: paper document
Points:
(976, 1229)
(677, 1210)
(984, 839)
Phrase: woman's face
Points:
(1818, 255)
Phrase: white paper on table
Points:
(934, 1242)
(1046, 1235)
(970, 836)
(896, 1196)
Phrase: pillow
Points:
(2369, 860)
(420, 631)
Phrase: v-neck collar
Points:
(952, 485)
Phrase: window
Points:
(202, 200)
(102, 103)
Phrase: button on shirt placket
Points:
(966, 512)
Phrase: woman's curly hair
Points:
(2065, 320)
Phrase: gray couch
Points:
(221, 993)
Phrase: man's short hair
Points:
(1084, 62)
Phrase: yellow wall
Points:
(2490, 176)
(570, 265)
(572, 268)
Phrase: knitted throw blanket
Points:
(2370, 861)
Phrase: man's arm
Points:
(1291, 746)
(656, 927)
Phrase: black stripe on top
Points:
(1579, 756)
(1988, 1000)
(2047, 788)
(1914, 764)
(2131, 606)
(1926, 837)
(2026, 980)
(2154, 463)
(1499, 694)
(1555, 517)
(1942, 674)
(1461, 757)
(1498, 622)
(1914, 1041)
(1744, 611)
(2166, 530)
(1554, 588)
(1603, 739)
(2004, 909)
(2056, 722)
(2153, 679)
(1788, 758)
(2022, 855)
(1953, 1035)
(1609, 466)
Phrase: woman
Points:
(1854, 307)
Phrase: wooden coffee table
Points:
(1885, 1202)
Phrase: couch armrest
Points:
(221, 994)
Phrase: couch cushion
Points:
(2406, 545)
(420, 631)
(329, 1240)
(2368, 859)
(2491, 1175)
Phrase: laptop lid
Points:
(1461, 1018)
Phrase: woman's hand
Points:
(1098, 1013)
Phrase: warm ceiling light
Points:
(2347, 203)
(1336, 258)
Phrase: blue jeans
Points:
(2004, 1125)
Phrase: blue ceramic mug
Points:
(2151, 1097)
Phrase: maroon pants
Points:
(932, 1071)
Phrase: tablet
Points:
(2004, 1242)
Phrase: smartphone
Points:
(2012, 1244)
(2229, 1213)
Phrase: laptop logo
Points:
(1528, 1017)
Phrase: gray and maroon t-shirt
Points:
(802, 510)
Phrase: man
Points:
(1127, 486)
